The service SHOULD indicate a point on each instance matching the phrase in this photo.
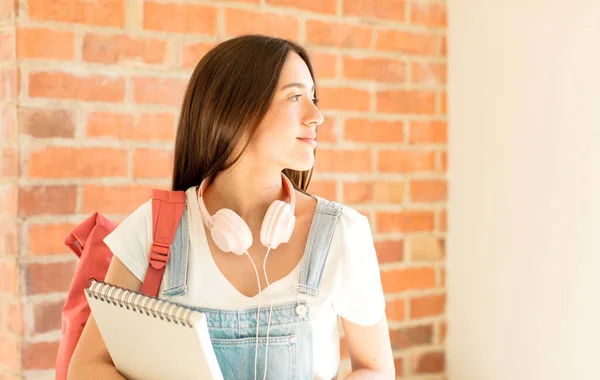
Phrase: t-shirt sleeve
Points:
(130, 241)
(360, 299)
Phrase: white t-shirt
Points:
(350, 286)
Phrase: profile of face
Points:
(286, 137)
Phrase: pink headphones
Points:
(231, 233)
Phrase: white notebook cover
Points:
(144, 347)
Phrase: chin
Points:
(301, 163)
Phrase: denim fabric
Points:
(233, 332)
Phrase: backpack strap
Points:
(167, 208)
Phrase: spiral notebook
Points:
(149, 338)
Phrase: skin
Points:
(281, 141)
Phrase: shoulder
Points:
(351, 224)
(135, 223)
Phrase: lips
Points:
(310, 140)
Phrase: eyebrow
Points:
(296, 84)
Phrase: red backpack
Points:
(86, 240)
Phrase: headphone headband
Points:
(287, 185)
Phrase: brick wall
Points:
(89, 102)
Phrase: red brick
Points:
(373, 131)
(428, 132)
(119, 200)
(8, 239)
(10, 353)
(358, 192)
(442, 277)
(176, 17)
(375, 69)
(427, 13)
(395, 310)
(41, 355)
(7, 9)
(9, 273)
(413, 336)
(142, 127)
(406, 101)
(324, 188)
(427, 306)
(47, 200)
(47, 239)
(442, 220)
(429, 74)
(112, 49)
(14, 317)
(389, 250)
(95, 13)
(405, 161)
(343, 161)
(8, 122)
(399, 366)
(317, 6)
(443, 160)
(241, 21)
(152, 163)
(49, 277)
(8, 200)
(325, 33)
(392, 10)
(428, 190)
(400, 280)
(9, 82)
(69, 162)
(191, 54)
(35, 43)
(405, 221)
(443, 332)
(110, 124)
(344, 99)
(9, 162)
(413, 43)
(44, 123)
(167, 91)
(58, 85)
(328, 131)
(426, 248)
(324, 65)
(7, 52)
(444, 46)
(47, 316)
(428, 362)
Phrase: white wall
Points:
(524, 190)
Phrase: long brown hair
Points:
(227, 97)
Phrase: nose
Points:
(313, 115)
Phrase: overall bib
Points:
(233, 332)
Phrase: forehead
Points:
(295, 70)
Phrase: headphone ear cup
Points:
(230, 233)
(278, 225)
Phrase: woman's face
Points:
(287, 135)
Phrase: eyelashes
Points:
(297, 98)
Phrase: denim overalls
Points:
(233, 332)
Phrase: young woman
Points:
(246, 142)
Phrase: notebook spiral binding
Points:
(132, 300)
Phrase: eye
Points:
(296, 98)
(315, 101)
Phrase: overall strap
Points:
(167, 208)
(317, 246)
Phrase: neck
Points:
(249, 193)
